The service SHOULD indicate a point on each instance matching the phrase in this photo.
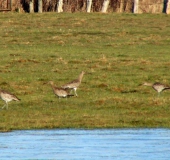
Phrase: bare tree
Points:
(136, 3)
(168, 7)
(89, 3)
(40, 6)
(31, 6)
(121, 6)
(60, 6)
(105, 6)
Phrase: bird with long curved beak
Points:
(159, 87)
(7, 97)
(73, 85)
(60, 92)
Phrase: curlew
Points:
(73, 85)
(7, 97)
(159, 87)
(60, 92)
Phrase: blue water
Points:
(68, 144)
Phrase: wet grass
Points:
(117, 51)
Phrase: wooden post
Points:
(168, 7)
(136, 3)
(105, 6)
(89, 2)
(31, 5)
(39, 6)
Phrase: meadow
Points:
(118, 52)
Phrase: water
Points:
(105, 144)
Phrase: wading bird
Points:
(60, 92)
(159, 87)
(7, 97)
(73, 85)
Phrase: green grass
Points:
(117, 51)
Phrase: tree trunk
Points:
(168, 7)
(135, 9)
(89, 2)
(60, 6)
(105, 6)
(40, 6)
(31, 5)
(121, 6)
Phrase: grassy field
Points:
(117, 51)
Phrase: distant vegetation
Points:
(145, 6)
(117, 51)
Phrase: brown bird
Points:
(73, 85)
(60, 92)
(159, 87)
(7, 97)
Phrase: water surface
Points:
(68, 144)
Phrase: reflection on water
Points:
(105, 144)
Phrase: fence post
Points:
(135, 8)
(168, 7)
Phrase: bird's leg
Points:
(75, 92)
(4, 105)
(159, 94)
(71, 91)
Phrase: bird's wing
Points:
(71, 84)
(10, 95)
